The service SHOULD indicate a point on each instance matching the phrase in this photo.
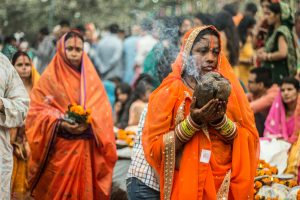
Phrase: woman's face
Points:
(264, 6)
(185, 26)
(122, 97)
(197, 22)
(205, 53)
(23, 67)
(271, 17)
(289, 93)
(74, 50)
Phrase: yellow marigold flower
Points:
(122, 134)
(89, 119)
(88, 111)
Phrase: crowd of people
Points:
(144, 82)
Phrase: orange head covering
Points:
(196, 180)
(59, 86)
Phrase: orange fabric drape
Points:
(35, 76)
(196, 180)
(69, 169)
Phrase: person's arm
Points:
(262, 103)
(277, 55)
(14, 104)
(282, 50)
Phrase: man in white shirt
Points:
(14, 103)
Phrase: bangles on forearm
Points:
(226, 128)
(186, 129)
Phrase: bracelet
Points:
(187, 129)
(228, 130)
(193, 124)
(180, 134)
(219, 125)
(269, 56)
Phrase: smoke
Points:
(191, 68)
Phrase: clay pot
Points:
(212, 86)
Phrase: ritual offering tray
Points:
(269, 185)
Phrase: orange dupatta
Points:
(60, 168)
(194, 179)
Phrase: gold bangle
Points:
(180, 135)
(186, 130)
(193, 124)
(219, 125)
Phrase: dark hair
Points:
(263, 75)
(224, 22)
(9, 39)
(231, 8)
(147, 25)
(276, 8)
(246, 22)
(44, 31)
(80, 28)
(124, 88)
(291, 80)
(261, 1)
(64, 22)
(113, 28)
(72, 34)
(141, 85)
(251, 7)
(207, 31)
(17, 55)
(206, 19)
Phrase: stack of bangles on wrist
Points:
(226, 128)
(186, 129)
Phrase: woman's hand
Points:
(210, 112)
(261, 55)
(76, 128)
(117, 107)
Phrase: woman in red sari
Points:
(194, 152)
(70, 161)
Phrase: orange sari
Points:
(236, 162)
(69, 169)
(19, 175)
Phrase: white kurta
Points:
(15, 100)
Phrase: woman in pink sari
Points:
(284, 115)
(283, 122)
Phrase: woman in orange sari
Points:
(23, 65)
(194, 157)
(70, 160)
